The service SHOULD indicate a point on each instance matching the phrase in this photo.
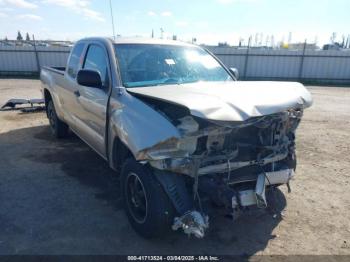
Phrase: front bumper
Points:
(187, 166)
(256, 196)
(195, 223)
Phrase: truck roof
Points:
(137, 40)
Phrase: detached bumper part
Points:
(260, 191)
(257, 197)
(279, 177)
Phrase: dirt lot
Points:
(59, 197)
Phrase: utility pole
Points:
(273, 41)
(267, 40)
(246, 59)
(333, 37)
(301, 67)
(36, 55)
(261, 39)
(289, 38)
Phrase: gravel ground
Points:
(59, 197)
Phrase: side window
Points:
(74, 60)
(96, 60)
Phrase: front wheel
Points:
(147, 206)
(58, 128)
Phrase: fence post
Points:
(36, 56)
(302, 63)
(246, 60)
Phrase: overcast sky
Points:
(210, 21)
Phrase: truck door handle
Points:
(77, 93)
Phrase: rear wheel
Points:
(147, 206)
(58, 128)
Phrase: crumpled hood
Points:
(231, 101)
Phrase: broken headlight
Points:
(172, 148)
(177, 148)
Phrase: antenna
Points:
(110, 7)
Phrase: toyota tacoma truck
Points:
(177, 126)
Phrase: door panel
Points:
(68, 100)
(91, 108)
(91, 119)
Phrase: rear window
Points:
(74, 60)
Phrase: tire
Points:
(150, 213)
(58, 128)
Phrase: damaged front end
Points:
(229, 163)
(225, 153)
(221, 148)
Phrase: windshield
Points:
(151, 64)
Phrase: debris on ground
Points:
(30, 105)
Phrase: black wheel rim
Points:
(136, 198)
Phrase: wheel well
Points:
(47, 98)
(120, 153)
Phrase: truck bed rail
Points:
(57, 70)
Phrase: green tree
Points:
(27, 37)
(19, 36)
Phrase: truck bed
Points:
(52, 76)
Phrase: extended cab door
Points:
(67, 91)
(92, 102)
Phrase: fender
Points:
(137, 125)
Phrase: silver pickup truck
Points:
(178, 128)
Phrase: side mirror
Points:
(234, 72)
(89, 78)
